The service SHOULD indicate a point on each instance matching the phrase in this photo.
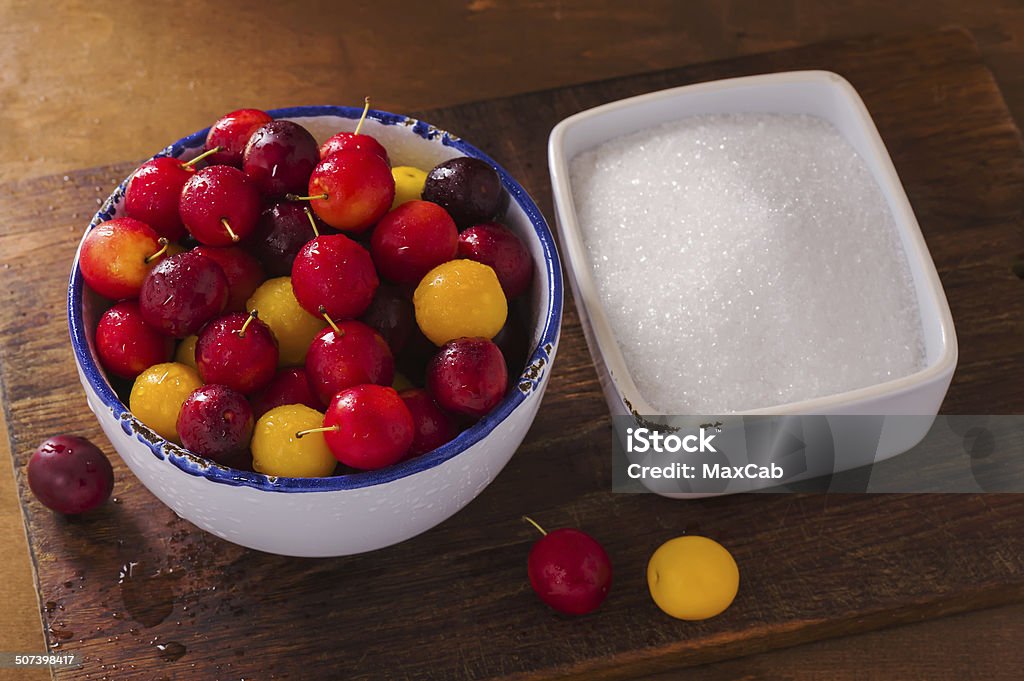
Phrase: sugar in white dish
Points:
(746, 261)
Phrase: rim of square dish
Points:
(540, 357)
(604, 336)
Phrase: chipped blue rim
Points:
(537, 367)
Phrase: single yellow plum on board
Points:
(158, 394)
(692, 578)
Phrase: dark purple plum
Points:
(468, 188)
(70, 475)
(283, 229)
(392, 315)
(468, 376)
(216, 422)
(280, 157)
(182, 293)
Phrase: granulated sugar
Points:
(746, 261)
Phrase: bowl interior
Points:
(819, 93)
(409, 142)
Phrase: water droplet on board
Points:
(171, 651)
(147, 596)
(61, 634)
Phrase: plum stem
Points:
(314, 197)
(164, 243)
(534, 523)
(227, 226)
(200, 157)
(325, 429)
(366, 109)
(323, 312)
(312, 221)
(253, 314)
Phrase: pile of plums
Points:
(286, 305)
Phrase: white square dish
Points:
(817, 93)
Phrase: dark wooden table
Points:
(340, 54)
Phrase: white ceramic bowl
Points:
(353, 513)
(819, 93)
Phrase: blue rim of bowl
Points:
(537, 366)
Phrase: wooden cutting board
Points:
(454, 603)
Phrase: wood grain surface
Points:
(91, 83)
(979, 646)
(454, 602)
